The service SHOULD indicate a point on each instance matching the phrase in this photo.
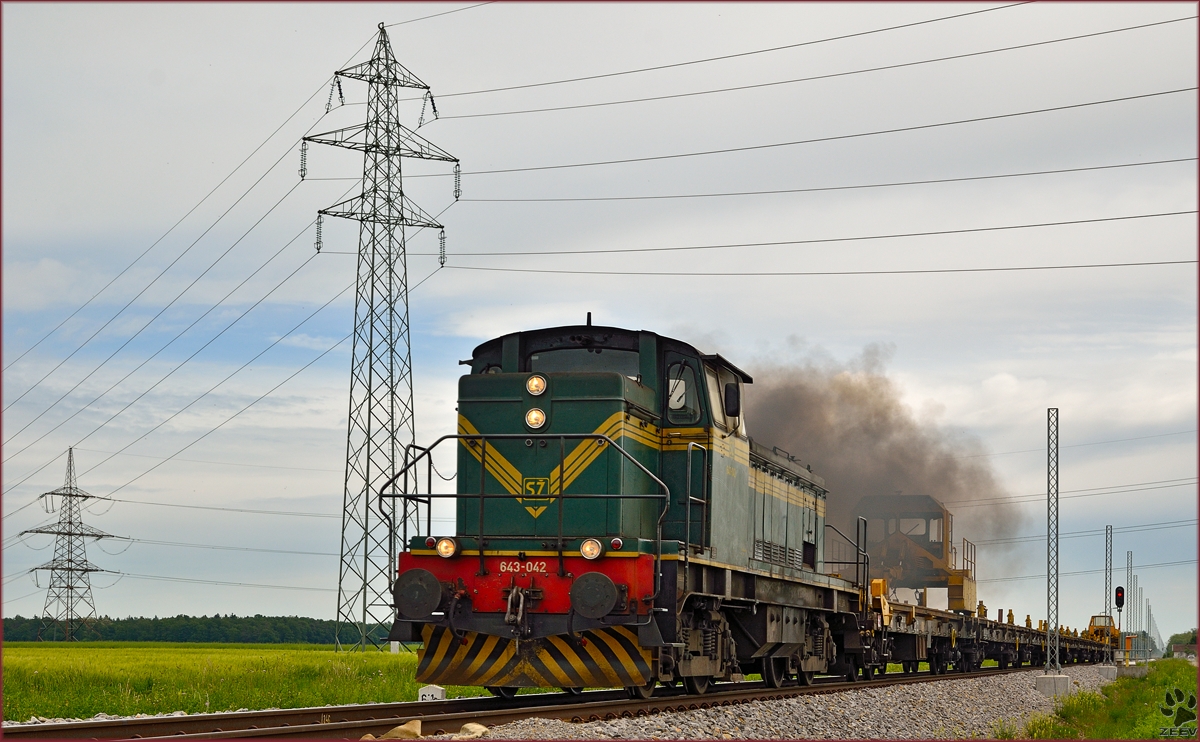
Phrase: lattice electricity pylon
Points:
(1108, 653)
(69, 609)
(1053, 666)
(380, 422)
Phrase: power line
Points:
(1025, 499)
(173, 226)
(1077, 445)
(155, 280)
(825, 273)
(729, 56)
(224, 583)
(822, 240)
(817, 189)
(215, 463)
(832, 138)
(231, 417)
(230, 548)
(222, 381)
(227, 510)
(1093, 532)
(164, 460)
(171, 342)
(435, 15)
(1088, 571)
(813, 77)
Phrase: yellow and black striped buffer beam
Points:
(602, 658)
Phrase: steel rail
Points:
(441, 717)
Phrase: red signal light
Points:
(1120, 598)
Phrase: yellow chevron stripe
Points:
(630, 666)
(488, 645)
(498, 466)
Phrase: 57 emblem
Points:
(535, 489)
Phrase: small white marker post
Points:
(431, 693)
(395, 647)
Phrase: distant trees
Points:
(216, 628)
(1186, 637)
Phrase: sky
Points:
(166, 313)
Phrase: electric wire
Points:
(819, 189)
(1077, 445)
(1041, 497)
(215, 463)
(792, 81)
(827, 273)
(1088, 571)
(823, 240)
(251, 404)
(218, 547)
(162, 461)
(731, 56)
(814, 140)
(223, 583)
(172, 341)
(231, 375)
(176, 224)
(155, 280)
(1163, 525)
(435, 15)
(231, 417)
(240, 198)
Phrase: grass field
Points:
(81, 680)
(1128, 708)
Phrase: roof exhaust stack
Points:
(589, 324)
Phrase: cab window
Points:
(683, 399)
(714, 397)
(717, 379)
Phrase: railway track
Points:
(443, 717)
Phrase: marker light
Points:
(447, 547)
(535, 384)
(616, 544)
(430, 542)
(535, 418)
(590, 549)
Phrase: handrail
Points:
(687, 515)
(426, 453)
(862, 570)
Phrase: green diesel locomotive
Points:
(616, 526)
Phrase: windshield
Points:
(585, 360)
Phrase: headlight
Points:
(590, 549)
(535, 418)
(446, 547)
(535, 384)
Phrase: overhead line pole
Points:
(1053, 666)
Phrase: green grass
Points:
(1127, 708)
(74, 680)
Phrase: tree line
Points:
(256, 629)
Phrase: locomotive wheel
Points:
(1002, 663)
(572, 691)
(852, 670)
(642, 692)
(805, 678)
(696, 685)
(773, 671)
(868, 673)
(502, 691)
